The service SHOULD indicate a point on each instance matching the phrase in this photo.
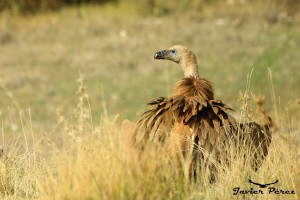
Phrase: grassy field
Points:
(61, 142)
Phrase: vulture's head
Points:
(181, 55)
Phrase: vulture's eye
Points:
(172, 51)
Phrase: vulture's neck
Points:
(189, 65)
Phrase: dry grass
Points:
(57, 146)
(95, 162)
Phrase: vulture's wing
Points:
(206, 118)
(158, 119)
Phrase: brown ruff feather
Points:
(191, 105)
(194, 87)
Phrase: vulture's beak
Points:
(160, 54)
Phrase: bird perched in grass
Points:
(191, 118)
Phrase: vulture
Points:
(192, 120)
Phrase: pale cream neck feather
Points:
(189, 64)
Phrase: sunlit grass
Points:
(94, 161)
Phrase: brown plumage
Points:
(192, 114)
(193, 106)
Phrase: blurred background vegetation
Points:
(145, 6)
(45, 43)
(26, 6)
